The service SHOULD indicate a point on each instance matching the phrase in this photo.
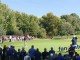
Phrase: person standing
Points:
(32, 52)
(23, 53)
(10, 38)
(52, 51)
(74, 41)
(2, 39)
(27, 57)
(71, 51)
(19, 54)
(45, 54)
(60, 57)
(25, 41)
(0, 53)
(37, 54)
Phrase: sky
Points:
(42, 7)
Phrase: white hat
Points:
(74, 36)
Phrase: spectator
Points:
(25, 41)
(67, 57)
(4, 52)
(10, 38)
(56, 57)
(77, 57)
(51, 51)
(23, 53)
(45, 54)
(9, 53)
(32, 52)
(74, 56)
(51, 57)
(37, 54)
(27, 57)
(3, 39)
(47, 58)
(13, 54)
(0, 53)
(71, 50)
(60, 57)
(19, 55)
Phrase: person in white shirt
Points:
(27, 57)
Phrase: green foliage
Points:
(34, 25)
(42, 33)
(51, 24)
(73, 19)
(66, 29)
(19, 23)
(2, 30)
(11, 24)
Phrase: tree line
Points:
(49, 25)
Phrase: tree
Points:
(66, 29)
(11, 24)
(51, 24)
(2, 30)
(34, 25)
(75, 21)
(23, 22)
(19, 23)
(41, 33)
(72, 19)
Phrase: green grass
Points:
(41, 44)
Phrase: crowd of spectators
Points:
(13, 38)
(9, 53)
